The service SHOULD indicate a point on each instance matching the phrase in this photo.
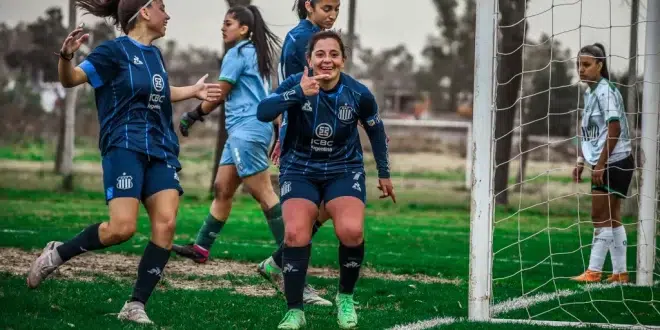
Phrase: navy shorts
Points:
(127, 173)
(319, 190)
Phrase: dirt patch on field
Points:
(181, 274)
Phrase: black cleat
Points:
(192, 252)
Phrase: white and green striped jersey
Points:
(603, 104)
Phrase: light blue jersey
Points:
(240, 68)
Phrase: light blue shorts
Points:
(249, 157)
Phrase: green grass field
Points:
(416, 264)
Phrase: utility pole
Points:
(350, 44)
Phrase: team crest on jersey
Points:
(285, 188)
(345, 113)
(124, 182)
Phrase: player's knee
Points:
(164, 223)
(350, 235)
(121, 231)
(296, 236)
(222, 192)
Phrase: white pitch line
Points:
(525, 302)
(18, 231)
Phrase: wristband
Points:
(199, 111)
(65, 57)
(580, 161)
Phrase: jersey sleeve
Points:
(288, 95)
(101, 65)
(609, 105)
(233, 65)
(375, 129)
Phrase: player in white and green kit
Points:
(606, 147)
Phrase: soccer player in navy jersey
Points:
(137, 141)
(322, 161)
(315, 16)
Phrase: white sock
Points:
(603, 238)
(618, 250)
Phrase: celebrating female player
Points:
(315, 15)
(606, 147)
(244, 78)
(322, 161)
(137, 141)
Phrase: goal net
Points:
(531, 224)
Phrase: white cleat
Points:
(134, 312)
(45, 264)
(310, 297)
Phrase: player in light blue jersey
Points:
(322, 161)
(245, 81)
(606, 147)
(137, 140)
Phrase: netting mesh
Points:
(544, 236)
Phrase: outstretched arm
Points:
(200, 90)
(276, 104)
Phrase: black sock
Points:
(350, 261)
(295, 262)
(86, 240)
(150, 271)
(277, 255)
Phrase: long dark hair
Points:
(299, 8)
(597, 50)
(265, 41)
(119, 11)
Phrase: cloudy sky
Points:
(382, 24)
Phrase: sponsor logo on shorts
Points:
(357, 187)
(176, 176)
(323, 141)
(124, 182)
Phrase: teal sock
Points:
(275, 223)
(209, 231)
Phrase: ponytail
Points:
(266, 43)
(604, 71)
(119, 12)
(597, 51)
(300, 9)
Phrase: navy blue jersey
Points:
(293, 59)
(320, 137)
(132, 94)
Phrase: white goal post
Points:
(480, 294)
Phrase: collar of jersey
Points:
(136, 43)
(309, 25)
(337, 87)
(241, 43)
(600, 81)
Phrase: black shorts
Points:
(318, 190)
(617, 177)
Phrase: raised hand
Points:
(73, 41)
(207, 92)
(310, 85)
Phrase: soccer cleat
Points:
(294, 319)
(192, 251)
(133, 311)
(310, 297)
(346, 315)
(269, 270)
(45, 264)
(618, 278)
(588, 277)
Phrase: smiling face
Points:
(156, 17)
(323, 13)
(327, 57)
